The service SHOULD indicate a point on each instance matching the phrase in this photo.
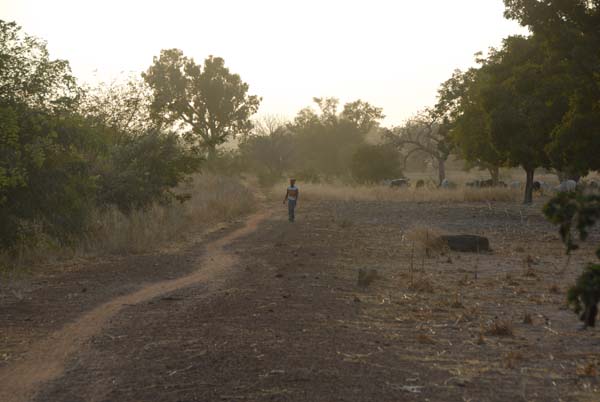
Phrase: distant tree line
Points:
(321, 144)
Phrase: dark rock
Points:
(467, 243)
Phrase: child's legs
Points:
(291, 206)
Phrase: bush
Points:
(578, 211)
(144, 170)
(374, 163)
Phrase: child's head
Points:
(292, 181)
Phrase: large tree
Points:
(427, 132)
(571, 34)
(523, 96)
(327, 139)
(459, 98)
(208, 102)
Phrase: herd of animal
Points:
(538, 185)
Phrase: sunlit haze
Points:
(393, 54)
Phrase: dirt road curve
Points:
(46, 360)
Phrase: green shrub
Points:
(374, 163)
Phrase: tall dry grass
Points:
(320, 192)
(214, 199)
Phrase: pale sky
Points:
(393, 54)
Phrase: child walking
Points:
(291, 196)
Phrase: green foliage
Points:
(144, 169)
(569, 32)
(54, 186)
(65, 152)
(578, 212)
(374, 163)
(27, 75)
(460, 99)
(586, 291)
(573, 211)
(318, 144)
(269, 155)
(210, 103)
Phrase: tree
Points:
(145, 169)
(270, 150)
(44, 181)
(209, 103)
(569, 31)
(327, 139)
(362, 115)
(522, 95)
(428, 133)
(29, 76)
(459, 99)
(121, 106)
(64, 155)
(578, 212)
(374, 163)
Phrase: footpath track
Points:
(46, 359)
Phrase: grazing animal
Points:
(447, 184)
(540, 186)
(566, 186)
(399, 183)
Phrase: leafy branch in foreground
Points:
(578, 212)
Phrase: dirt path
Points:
(289, 323)
(46, 360)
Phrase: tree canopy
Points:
(209, 103)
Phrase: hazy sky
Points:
(392, 53)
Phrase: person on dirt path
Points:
(291, 196)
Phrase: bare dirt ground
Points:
(277, 315)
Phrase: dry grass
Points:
(512, 359)
(422, 285)
(427, 238)
(214, 199)
(425, 339)
(340, 192)
(500, 327)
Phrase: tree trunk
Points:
(495, 173)
(441, 170)
(212, 153)
(529, 186)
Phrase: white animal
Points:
(566, 186)
(447, 184)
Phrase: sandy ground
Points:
(273, 312)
